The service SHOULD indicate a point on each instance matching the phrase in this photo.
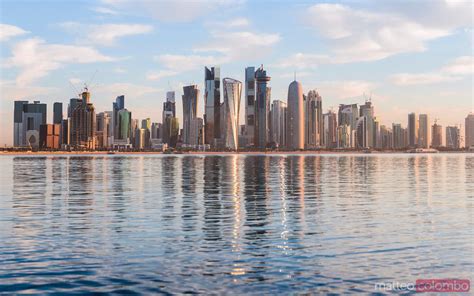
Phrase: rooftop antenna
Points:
(295, 75)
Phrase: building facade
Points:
(232, 95)
(278, 123)
(262, 108)
(212, 101)
(296, 117)
(190, 107)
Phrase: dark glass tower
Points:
(262, 108)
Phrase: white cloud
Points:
(237, 45)
(120, 70)
(229, 24)
(172, 11)
(106, 34)
(455, 70)
(9, 31)
(128, 89)
(461, 66)
(303, 61)
(184, 63)
(105, 10)
(160, 74)
(345, 89)
(75, 80)
(405, 79)
(361, 35)
(36, 59)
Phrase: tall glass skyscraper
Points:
(232, 95)
(262, 108)
(278, 123)
(424, 135)
(295, 134)
(412, 130)
(313, 119)
(212, 101)
(83, 123)
(250, 105)
(190, 107)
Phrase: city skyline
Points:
(140, 55)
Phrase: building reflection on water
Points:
(251, 218)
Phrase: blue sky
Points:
(410, 56)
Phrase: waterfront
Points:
(233, 223)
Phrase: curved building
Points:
(295, 134)
(232, 94)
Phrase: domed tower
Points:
(295, 134)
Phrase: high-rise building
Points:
(343, 136)
(196, 134)
(18, 137)
(73, 102)
(102, 130)
(330, 129)
(262, 108)
(386, 137)
(146, 126)
(212, 101)
(118, 105)
(398, 140)
(367, 110)
(83, 129)
(453, 140)
(190, 107)
(50, 136)
(171, 131)
(362, 133)
(278, 123)
(232, 95)
(313, 120)
(348, 115)
(412, 130)
(156, 130)
(296, 116)
(57, 113)
(170, 121)
(437, 135)
(27, 120)
(469, 130)
(424, 132)
(124, 127)
(250, 105)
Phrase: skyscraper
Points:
(212, 101)
(118, 105)
(295, 134)
(424, 133)
(146, 126)
(27, 120)
(250, 105)
(437, 135)
(348, 115)
(469, 130)
(367, 110)
(124, 127)
(190, 107)
(412, 130)
(330, 129)
(313, 119)
(278, 122)
(397, 134)
(57, 113)
(262, 108)
(102, 129)
(83, 121)
(232, 95)
(362, 134)
(170, 121)
(453, 137)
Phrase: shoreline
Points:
(46, 153)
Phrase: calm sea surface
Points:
(238, 224)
